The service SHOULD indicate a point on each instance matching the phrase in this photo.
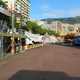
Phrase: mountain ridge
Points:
(70, 20)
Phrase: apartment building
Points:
(4, 25)
(63, 28)
(77, 27)
(21, 9)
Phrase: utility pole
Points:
(56, 26)
(13, 25)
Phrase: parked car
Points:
(76, 40)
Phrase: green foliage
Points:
(2, 3)
(17, 25)
(57, 34)
(30, 26)
(43, 31)
(50, 32)
(37, 29)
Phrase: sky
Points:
(54, 8)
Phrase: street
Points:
(51, 62)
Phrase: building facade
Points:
(63, 28)
(21, 10)
(4, 26)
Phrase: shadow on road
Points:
(41, 75)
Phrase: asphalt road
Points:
(51, 62)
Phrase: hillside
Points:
(70, 20)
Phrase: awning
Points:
(4, 11)
(34, 37)
(12, 34)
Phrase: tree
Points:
(2, 3)
(29, 25)
(51, 32)
(37, 29)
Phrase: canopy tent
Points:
(34, 37)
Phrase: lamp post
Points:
(13, 25)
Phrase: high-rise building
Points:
(19, 11)
(21, 8)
